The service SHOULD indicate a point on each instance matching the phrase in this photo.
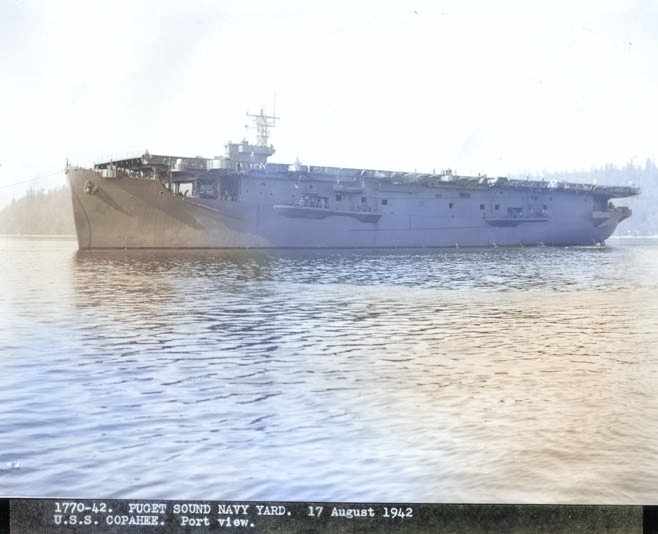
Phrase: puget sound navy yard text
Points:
(111, 513)
(159, 516)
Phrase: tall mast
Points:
(263, 124)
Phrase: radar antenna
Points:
(263, 124)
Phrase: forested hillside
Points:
(49, 212)
(39, 213)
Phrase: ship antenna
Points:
(263, 124)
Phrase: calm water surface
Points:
(485, 375)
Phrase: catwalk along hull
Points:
(165, 202)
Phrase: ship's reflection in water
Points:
(485, 375)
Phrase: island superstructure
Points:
(240, 200)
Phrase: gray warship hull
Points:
(164, 202)
(242, 201)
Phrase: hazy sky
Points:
(490, 86)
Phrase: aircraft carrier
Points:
(241, 201)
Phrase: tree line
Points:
(39, 212)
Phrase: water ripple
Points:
(507, 375)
